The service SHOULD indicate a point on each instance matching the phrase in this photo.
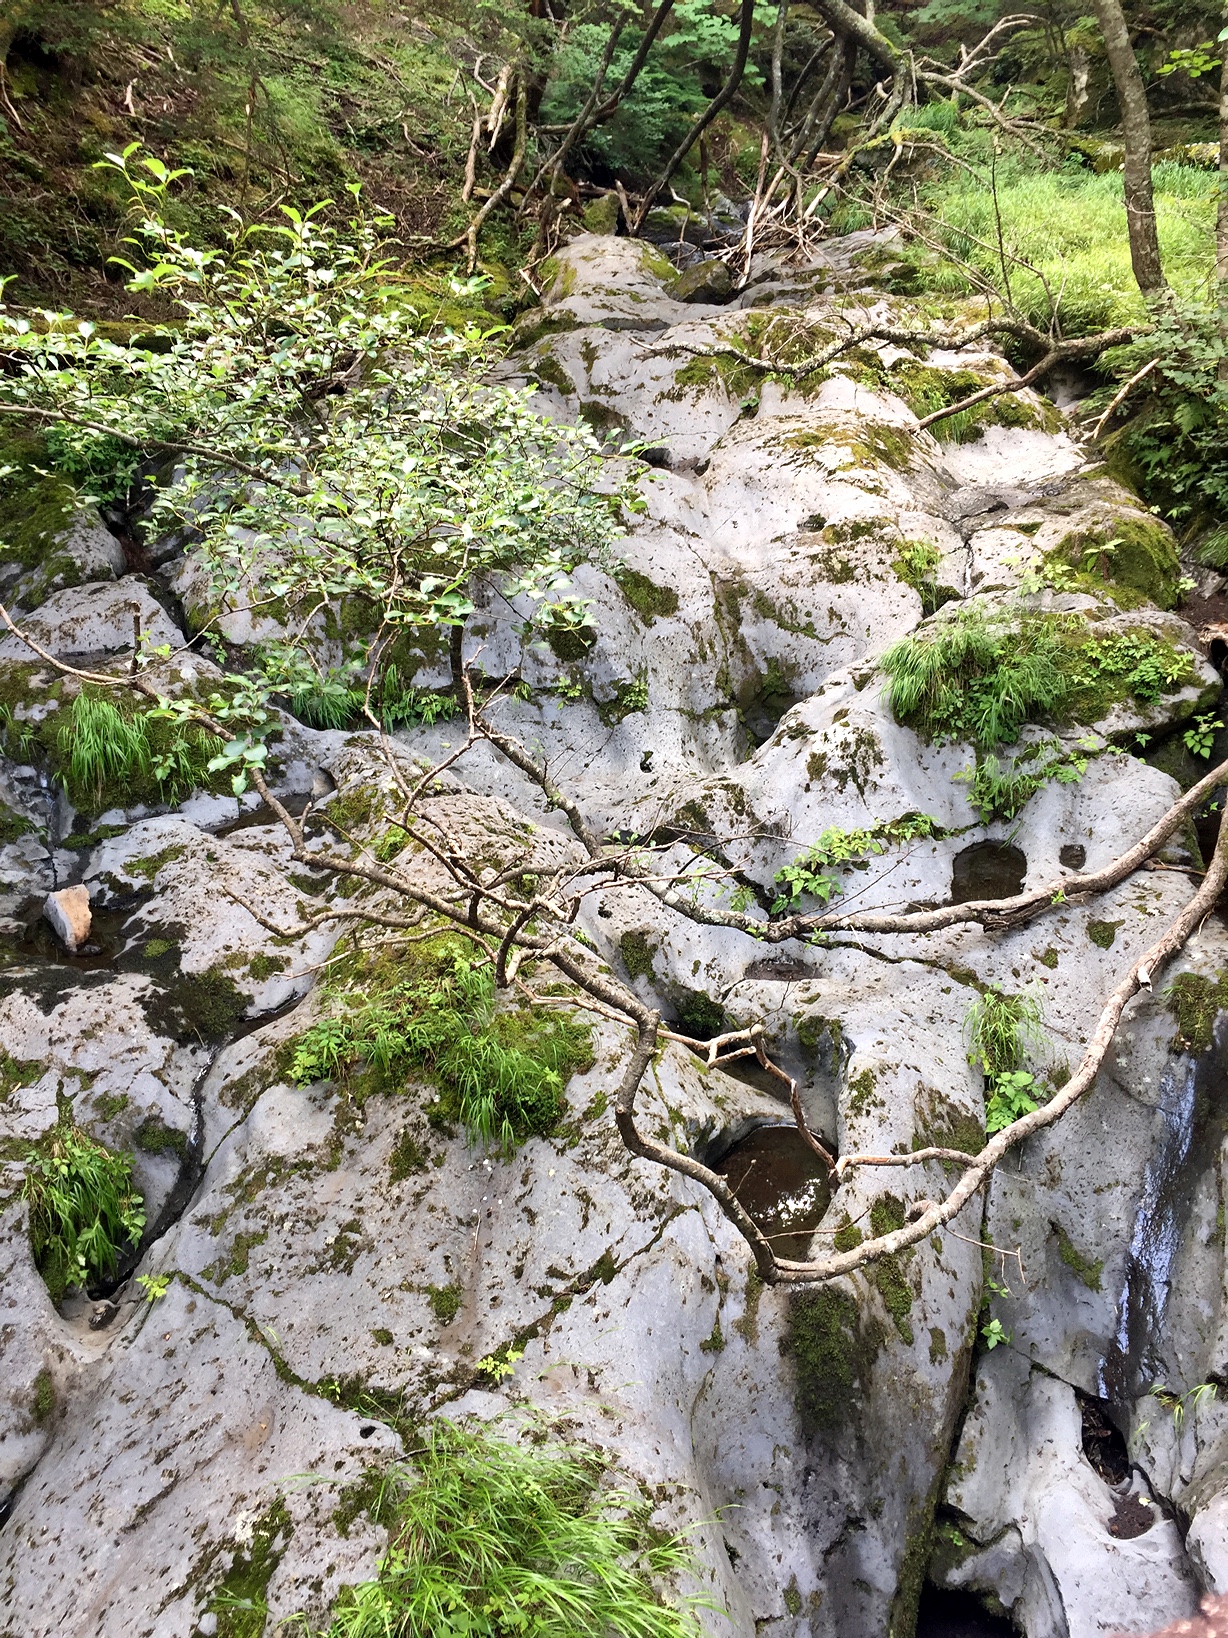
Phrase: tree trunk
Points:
(1221, 213)
(1136, 127)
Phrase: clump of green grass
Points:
(492, 1539)
(82, 1208)
(977, 676)
(501, 1071)
(1000, 790)
(1000, 1029)
(331, 700)
(980, 675)
(104, 754)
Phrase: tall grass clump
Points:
(106, 758)
(977, 676)
(83, 1209)
(490, 1539)
(501, 1072)
(1000, 1029)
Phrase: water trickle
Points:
(1156, 1236)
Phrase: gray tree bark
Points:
(1136, 128)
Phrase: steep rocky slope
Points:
(342, 1267)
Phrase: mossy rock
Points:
(1136, 552)
(833, 1347)
(602, 215)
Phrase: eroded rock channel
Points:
(1009, 1427)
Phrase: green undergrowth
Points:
(1069, 224)
(82, 1207)
(501, 1068)
(491, 1537)
(979, 675)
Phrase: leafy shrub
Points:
(501, 1072)
(82, 1208)
(810, 873)
(490, 1539)
(1177, 437)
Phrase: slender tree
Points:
(1136, 128)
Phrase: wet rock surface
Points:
(859, 1458)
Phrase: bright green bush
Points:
(490, 1539)
(83, 1209)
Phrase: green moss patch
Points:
(1196, 1002)
(1086, 1269)
(833, 1348)
(646, 597)
(1136, 553)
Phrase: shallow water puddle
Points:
(782, 1183)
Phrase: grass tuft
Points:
(82, 1208)
(488, 1538)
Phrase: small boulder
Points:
(68, 911)
(708, 281)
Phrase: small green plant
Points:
(154, 1285)
(501, 1072)
(999, 1027)
(1177, 1403)
(993, 1332)
(1010, 1096)
(83, 1209)
(810, 873)
(498, 1367)
(491, 1539)
(1000, 790)
(1199, 739)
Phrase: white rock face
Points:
(325, 1256)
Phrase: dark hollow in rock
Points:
(1072, 856)
(952, 1614)
(1132, 1516)
(781, 1182)
(987, 870)
(1103, 1444)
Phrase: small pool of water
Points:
(38, 943)
(987, 870)
(782, 1183)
